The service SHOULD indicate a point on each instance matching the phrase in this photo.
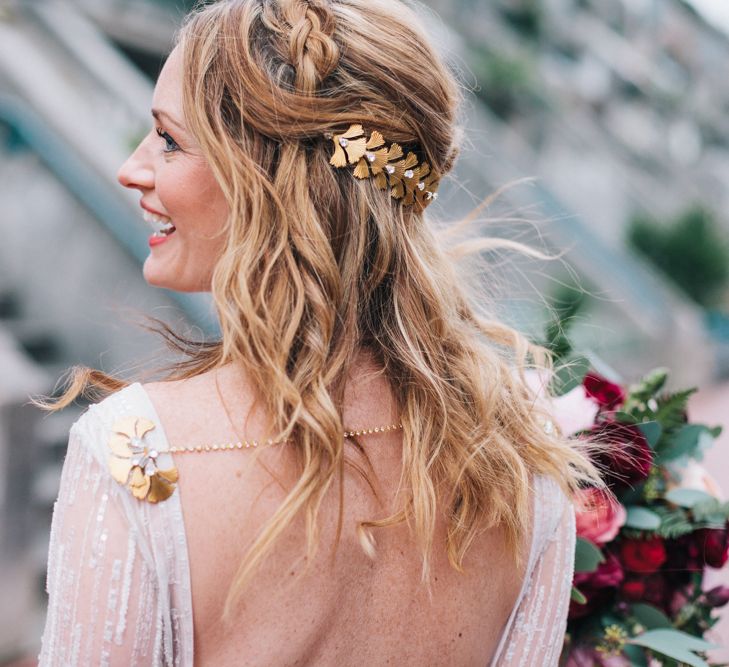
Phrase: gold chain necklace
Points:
(245, 444)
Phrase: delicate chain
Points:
(245, 444)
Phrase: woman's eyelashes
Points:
(170, 144)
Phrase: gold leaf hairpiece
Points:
(407, 179)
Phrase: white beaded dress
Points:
(118, 579)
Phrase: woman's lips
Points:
(162, 225)
(157, 239)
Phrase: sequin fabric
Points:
(118, 579)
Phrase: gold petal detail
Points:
(139, 483)
(395, 152)
(356, 149)
(171, 474)
(143, 426)
(160, 488)
(381, 180)
(125, 426)
(339, 159)
(376, 140)
(362, 169)
(120, 445)
(120, 468)
(161, 484)
(353, 131)
(380, 161)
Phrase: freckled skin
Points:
(179, 184)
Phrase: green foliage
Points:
(565, 305)
(587, 556)
(691, 251)
(674, 644)
(674, 522)
(504, 83)
(525, 16)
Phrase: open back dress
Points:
(118, 578)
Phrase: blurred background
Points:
(617, 109)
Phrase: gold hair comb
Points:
(407, 179)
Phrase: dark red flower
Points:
(713, 546)
(607, 394)
(598, 586)
(627, 457)
(717, 596)
(657, 591)
(643, 555)
(633, 589)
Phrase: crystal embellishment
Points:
(343, 142)
(421, 186)
(390, 169)
(409, 173)
(371, 157)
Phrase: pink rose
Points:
(599, 516)
(573, 412)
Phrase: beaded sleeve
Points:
(118, 576)
(535, 631)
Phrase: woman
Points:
(295, 148)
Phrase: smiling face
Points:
(181, 198)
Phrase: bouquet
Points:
(644, 546)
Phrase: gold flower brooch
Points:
(133, 464)
(408, 179)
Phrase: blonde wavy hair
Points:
(319, 265)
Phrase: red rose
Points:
(643, 555)
(627, 457)
(713, 545)
(607, 394)
(633, 590)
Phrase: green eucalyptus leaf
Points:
(636, 655)
(641, 518)
(652, 432)
(650, 617)
(578, 597)
(716, 431)
(569, 375)
(682, 444)
(587, 556)
(688, 497)
(674, 644)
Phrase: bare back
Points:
(348, 611)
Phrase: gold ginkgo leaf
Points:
(349, 146)
(362, 170)
(395, 152)
(376, 140)
(407, 180)
(381, 181)
(162, 485)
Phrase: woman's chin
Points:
(157, 275)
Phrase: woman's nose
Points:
(137, 171)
